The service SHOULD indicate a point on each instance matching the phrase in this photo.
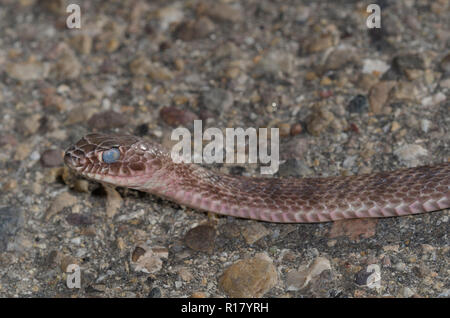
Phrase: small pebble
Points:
(425, 125)
(370, 66)
(28, 71)
(67, 66)
(318, 44)
(250, 277)
(154, 293)
(395, 126)
(168, 15)
(221, 11)
(194, 29)
(254, 231)
(107, 120)
(434, 99)
(410, 154)
(217, 100)
(201, 238)
(405, 91)
(11, 220)
(340, 57)
(60, 202)
(296, 280)
(369, 276)
(400, 266)
(349, 162)
(378, 96)
(177, 117)
(7, 140)
(284, 129)
(358, 104)
(445, 64)
(79, 219)
(319, 121)
(52, 158)
(407, 292)
(148, 259)
(274, 64)
(296, 129)
(142, 66)
(406, 62)
(293, 167)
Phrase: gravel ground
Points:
(347, 100)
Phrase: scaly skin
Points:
(148, 167)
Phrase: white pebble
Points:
(369, 66)
(425, 125)
(410, 153)
(35, 155)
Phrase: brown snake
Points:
(146, 166)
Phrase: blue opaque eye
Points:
(111, 155)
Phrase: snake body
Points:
(147, 166)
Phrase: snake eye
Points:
(111, 155)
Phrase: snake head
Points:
(122, 160)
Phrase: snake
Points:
(134, 162)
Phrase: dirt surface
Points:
(347, 100)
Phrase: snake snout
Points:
(71, 160)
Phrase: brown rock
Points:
(7, 139)
(296, 280)
(201, 238)
(319, 121)
(339, 58)
(379, 94)
(319, 44)
(27, 71)
(82, 43)
(23, 150)
(57, 7)
(445, 64)
(107, 120)
(60, 202)
(9, 185)
(296, 129)
(52, 158)
(366, 81)
(67, 66)
(148, 259)
(220, 11)
(79, 219)
(113, 201)
(137, 253)
(66, 261)
(144, 67)
(193, 30)
(250, 277)
(254, 232)
(177, 117)
(51, 100)
(405, 91)
(354, 228)
(285, 129)
(31, 124)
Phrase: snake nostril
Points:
(73, 161)
(69, 160)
